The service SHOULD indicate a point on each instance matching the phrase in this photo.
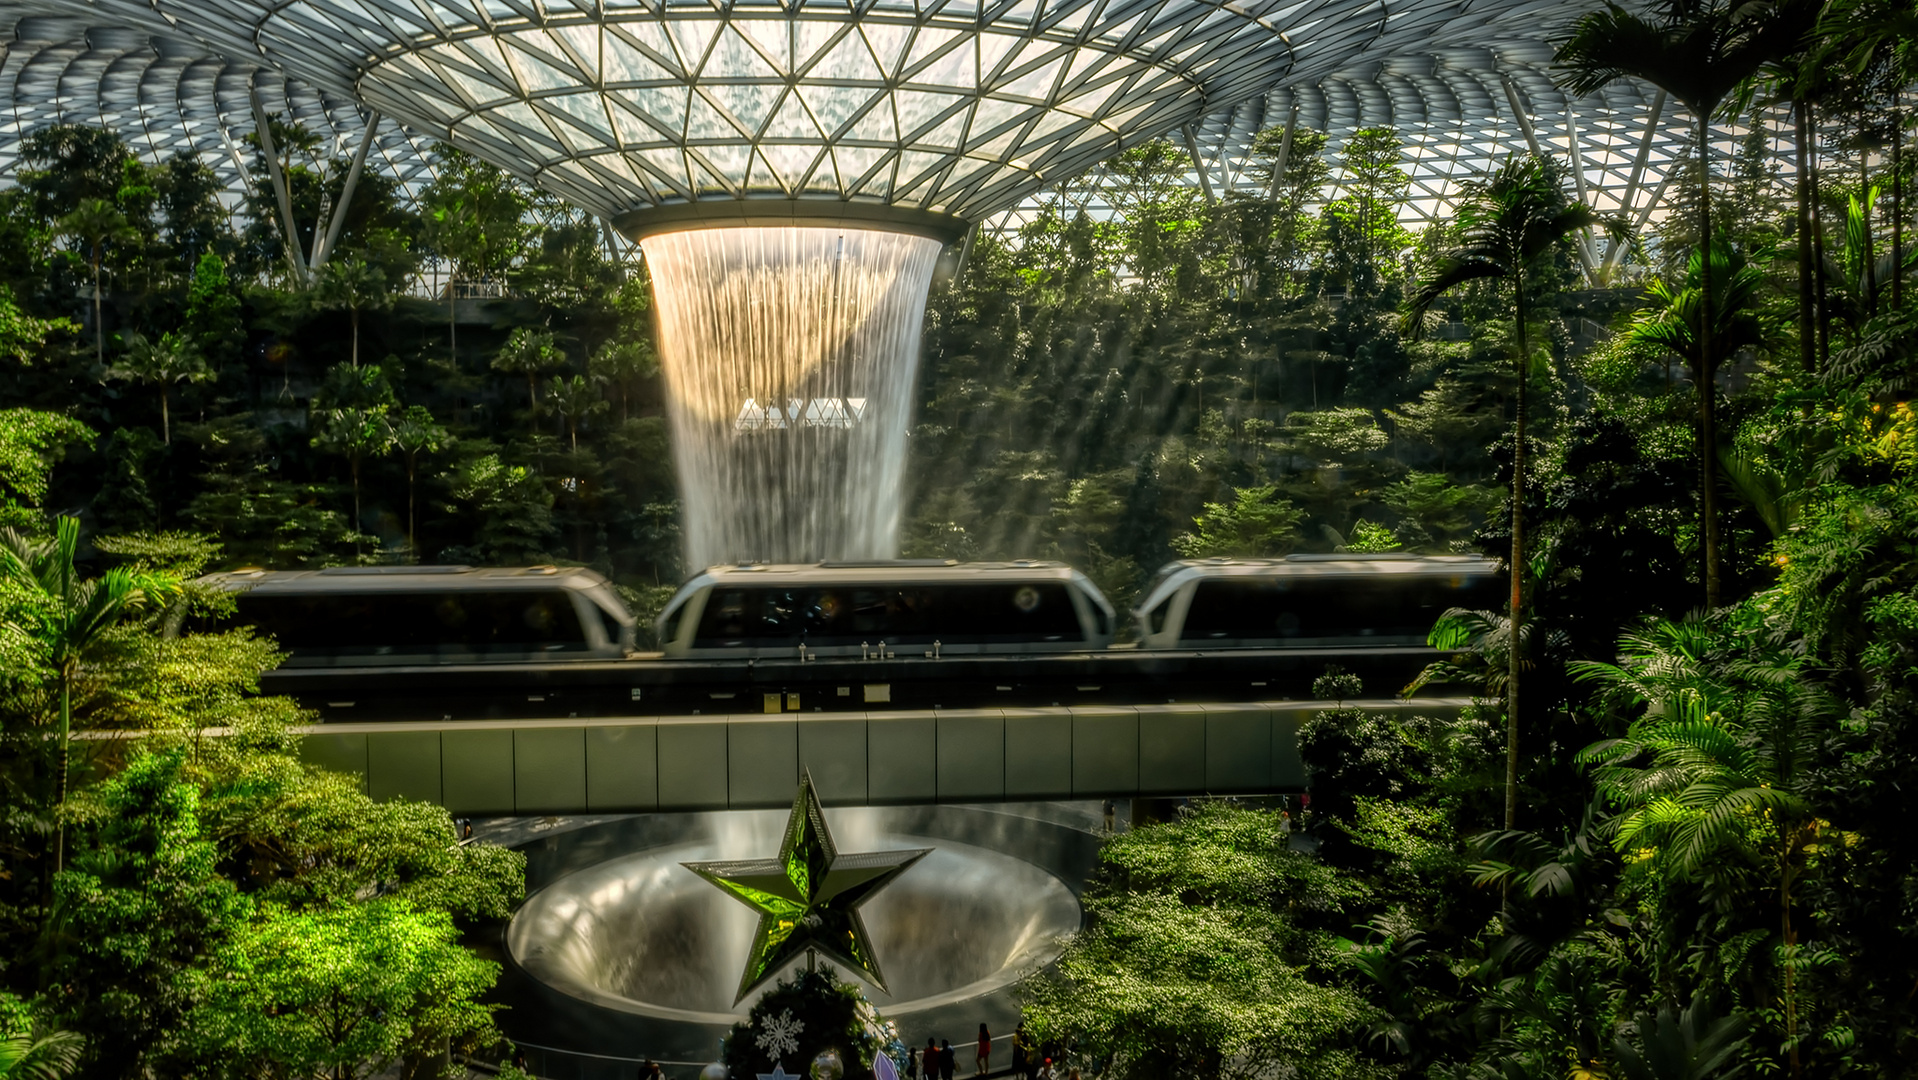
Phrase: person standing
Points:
(1110, 812)
(947, 1060)
(1021, 1049)
(912, 1064)
(929, 1061)
(984, 1059)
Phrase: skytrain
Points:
(461, 642)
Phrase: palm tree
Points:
(1675, 321)
(97, 223)
(574, 400)
(1510, 222)
(51, 1056)
(618, 363)
(415, 432)
(351, 417)
(173, 360)
(529, 352)
(354, 285)
(63, 618)
(1699, 53)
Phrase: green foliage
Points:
(31, 443)
(1256, 523)
(137, 913)
(339, 992)
(1194, 958)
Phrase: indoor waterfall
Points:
(790, 356)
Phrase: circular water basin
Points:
(641, 934)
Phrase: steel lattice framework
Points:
(983, 110)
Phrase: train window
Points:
(1318, 608)
(832, 615)
(381, 623)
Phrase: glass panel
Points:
(352, 625)
(585, 43)
(946, 136)
(850, 59)
(665, 105)
(536, 74)
(732, 58)
(1310, 609)
(773, 38)
(705, 122)
(876, 125)
(588, 109)
(692, 36)
(627, 64)
(832, 106)
(917, 108)
(888, 43)
(791, 122)
(750, 103)
(1036, 83)
(999, 613)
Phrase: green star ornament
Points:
(808, 897)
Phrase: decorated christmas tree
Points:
(806, 1018)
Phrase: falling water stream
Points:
(789, 356)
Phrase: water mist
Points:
(790, 356)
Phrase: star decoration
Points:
(779, 1073)
(808, 897)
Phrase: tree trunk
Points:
(99, 327)
(1897, 199)
(355, 314)
(1707, 433)
(60, 791)
(166, 422)
(1823, 299)
(532, 400)
(1517, 613)
(354, 467)
(1791, 957)
(412, 545)
(1807, 268)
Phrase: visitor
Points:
(1021, 1049)
(650, 1070)
(1285, 823)
(912, 1064)
(929, 1061)
(982, 1061)
(1111, 811)
(947, 1059)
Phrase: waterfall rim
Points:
(729, 213)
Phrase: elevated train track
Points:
(651, 686)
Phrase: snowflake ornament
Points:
(779, 1035)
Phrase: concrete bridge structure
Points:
(753, 761)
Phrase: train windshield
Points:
(850, 614)
(514, 622)
(1305, 609)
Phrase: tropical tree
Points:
(97, 223)
(353, 285)
(1510, 222)
(619, 363)
(352, 418)
(1675, 322)
(529, 352)
(414, 433)
(172, 360)
(574, 400)
(1699, 52)
(60, 619)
